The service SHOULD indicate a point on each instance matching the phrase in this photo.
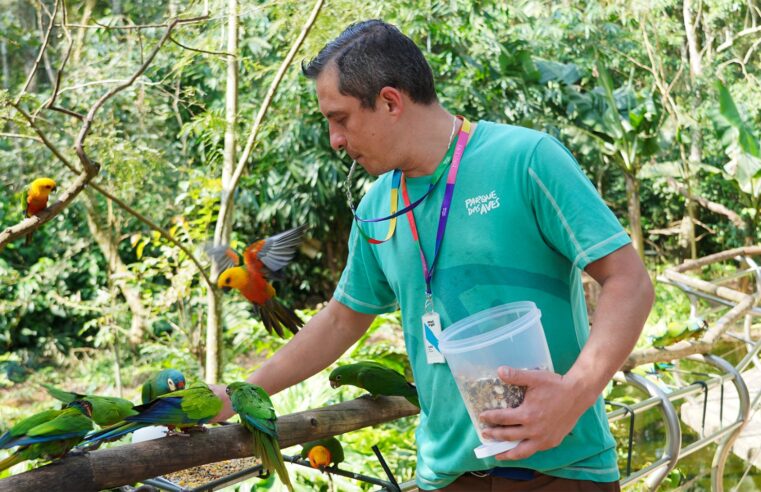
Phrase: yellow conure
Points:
(37, 198)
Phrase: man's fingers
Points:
(520, 377)
(503, 416)
(523, 450)
(511, 433)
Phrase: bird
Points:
(182, 409)
(106, 410)
(323, 452)
(49, 434)
(263, 260)
(37, 198)
(375, 378)
(161, 383)
(257, 414)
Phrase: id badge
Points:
(431, 333)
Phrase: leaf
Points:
(746, 138)
(566, 73)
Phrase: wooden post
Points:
(130, 463)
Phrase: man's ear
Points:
(390, 100)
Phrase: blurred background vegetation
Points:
(658, 100)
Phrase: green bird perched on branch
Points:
(375, 378)
(106, 410)
(258, 416)
(182, 409)
(676, 331)
(161, 383)
(323, 452)
(47, 435)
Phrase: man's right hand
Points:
(227, 408)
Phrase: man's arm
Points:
(317, 345)
(554, 403)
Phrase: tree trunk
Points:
(4, 64)
(80, 40)
(110, 249)
(223, 229)
(635, 218)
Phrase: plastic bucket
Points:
(476, 346)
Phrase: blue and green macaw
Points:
(257, 414)
(47, 435)
(375, 378)
(181, 409)
(161, 383)
(106, 410)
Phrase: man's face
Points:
(361, 132)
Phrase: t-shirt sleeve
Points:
(571, 215)
(363, 286)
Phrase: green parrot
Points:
(181, 409)
(257, 415)
(676, 331)
(47, 435)
(106, 410)
(323, 452)
(161, 383)
(375, 378)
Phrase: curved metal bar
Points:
(673, 428)
(725, 446)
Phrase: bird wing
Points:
(21, 428)
(275, 252)
(223, 256)
(200, 403)
(59, 394)
(255, 410)
(70, 423)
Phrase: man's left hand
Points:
(549, 411)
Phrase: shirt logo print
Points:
(482, 204)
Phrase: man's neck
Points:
(428, 140)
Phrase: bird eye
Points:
(227, 280)
(171, 385)
(338, 378)
(228, 391)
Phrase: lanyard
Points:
(393, 212)
(462, 141)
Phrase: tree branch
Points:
(708, 204)
(729, 42)
(227, 194)
(39, 55)
(130, 463)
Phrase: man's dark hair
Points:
(371, 55)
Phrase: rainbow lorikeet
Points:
(161, 383)
(106, 410)
(263, 260)
(257, 415)
(181, 409)
(375, 378)
(47, 435)
(323, 452)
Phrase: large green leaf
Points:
(746, 136)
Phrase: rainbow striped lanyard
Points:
(462, 141)
(396, 180)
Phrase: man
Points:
(522, 222)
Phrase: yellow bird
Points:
(37, 198)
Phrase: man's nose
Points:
(337, 140)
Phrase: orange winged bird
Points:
(263, 261)
(37, 198)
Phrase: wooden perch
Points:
(743, 303)
(130, 463)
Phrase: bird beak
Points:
(53, 188)
(226, 289)
(333, 383)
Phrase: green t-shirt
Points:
(523, 223)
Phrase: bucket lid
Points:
(531, 315)
(494, 448)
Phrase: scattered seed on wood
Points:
(200, 475)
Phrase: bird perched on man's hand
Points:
(263, 261)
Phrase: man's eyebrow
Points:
(333, 114)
